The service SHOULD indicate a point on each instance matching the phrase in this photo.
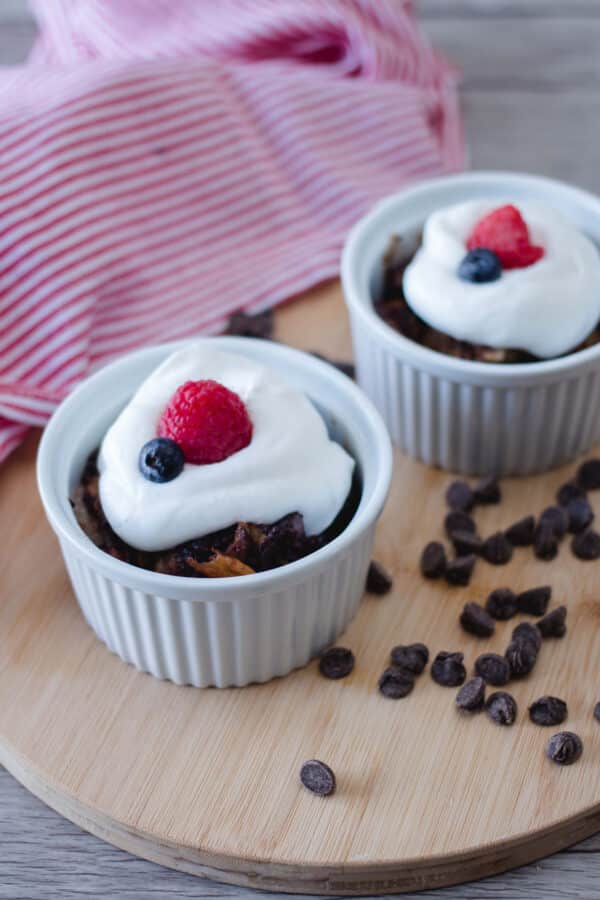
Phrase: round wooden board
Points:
(207, 780)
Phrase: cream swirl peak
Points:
(546, 308)
(290, 465)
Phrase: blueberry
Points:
(161, 459)
(480, 265)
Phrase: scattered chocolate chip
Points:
(569, 491)
(588, 475)
(487, 491)
(466, 542)
(597, 712)
(556, 518)
(317, 777)
(501, 707)
(493, 668)
(553, 625)
(528, 632)
(337, 662)
(580, 514)
(259, 325)
(521, 534)
(502, 604)
(586, 544)
(433, 560)
(448, 669)
(412, 657)
(347, 368)
(534, 602)
(564, 748)
(378, 580)
(460, 496)
(396, 682)
(548, 711)
(457, 520)
(476, 620)
(545, 542)
(497, 549)
(459, 570)
(521, 657)
(471, 695)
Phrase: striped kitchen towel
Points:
(166, 162)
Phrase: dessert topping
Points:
(480, 265)
(207, 420)
(505, 233)
(160, 460)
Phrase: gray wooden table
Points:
(532, 102)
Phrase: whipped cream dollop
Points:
(546, 308)
(290, 465)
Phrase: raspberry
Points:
(207, 420)
(505, 233)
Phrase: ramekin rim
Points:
(507, 372)
(214, 589)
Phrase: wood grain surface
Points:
(535, 108)
(207, 781)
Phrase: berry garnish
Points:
(207, 420)
(480, 265)
(505, 232)
(161, 459)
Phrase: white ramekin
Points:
(229, 631)
(469, 417)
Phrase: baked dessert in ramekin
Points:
(220, 612)
(474, 303)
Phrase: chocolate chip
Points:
(433, 560)
(487, 491)
(586, 544)
(466, 542)
(501, 707)
(569, 491)
(521, 534)
(502, 603)
(476, 620)
(337, 662)
(378, 580)
(259, 325)
(548, 711)
(554, 624)
(457, 520)
(396, 682)
(317, 777)
(497, 549)
(564, 748)
(545, 542)
(534, 602)
(471, 695)
(459, 570)
(412, 657)
(493, 668)
(528, 632)
(556, 518)
(460, 496)
(580, 514)
(521, 657)
(597, 712)
(448, 669)
(588, 475)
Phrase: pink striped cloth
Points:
(163, 164)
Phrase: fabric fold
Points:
(163, 165)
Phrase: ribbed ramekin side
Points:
(478, 429)
(229, 642)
